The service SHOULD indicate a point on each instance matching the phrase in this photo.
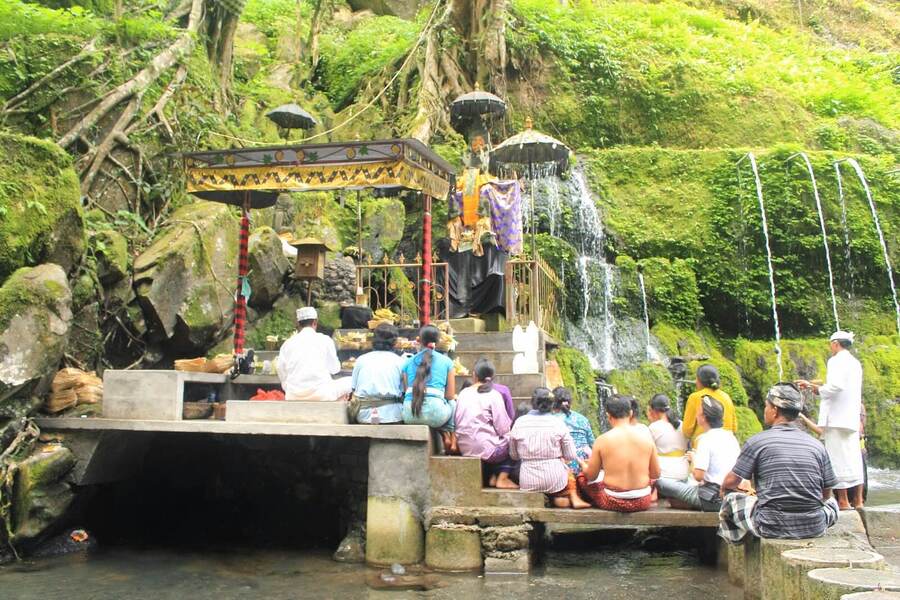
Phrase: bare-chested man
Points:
(628, 461)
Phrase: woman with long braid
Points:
(430, 384)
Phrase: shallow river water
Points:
(170, 575)
(608, 572)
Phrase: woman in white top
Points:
(717, 451)
(665, 427)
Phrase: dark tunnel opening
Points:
(202, 491)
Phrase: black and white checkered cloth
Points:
(736, 517)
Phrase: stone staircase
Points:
(498, 348)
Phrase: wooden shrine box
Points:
(310, 259)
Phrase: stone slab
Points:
(411, 433)
(455, 481)
(510, 563)
(274, 411)
(149, 394)
(882, 521)
(872, 596)
(798, 562)
(657, 517)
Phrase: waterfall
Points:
(887, 259)
(847, 254)
(646, 314)
(765, 229)
(815, 188)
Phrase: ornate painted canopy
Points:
(398, 163)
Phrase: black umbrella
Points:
(532, 153)
(476, 104)
(291, 116)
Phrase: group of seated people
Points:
(694, 463)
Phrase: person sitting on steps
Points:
(542, 441)
(307, 361)
(377, 377)
(430, 383)
(579, 426)
(627, 457)
(483, 424)
(717, 450)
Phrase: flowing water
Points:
(815, 189)
(847, 253)
(646, 314)
(161, 574)
(887, 259)
(765, 229)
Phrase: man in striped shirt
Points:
(792, 474)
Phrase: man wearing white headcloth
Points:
(839, 417)
(307, 361)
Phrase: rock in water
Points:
(40, 495)
(185, 281)
(268, 266)
(35, 315)
(41, 220)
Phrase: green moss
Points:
(19, 291)
(40, 203)
(712, 222)
(748, 423)
(677, 341)
(579, 378)
(642, 73)
(642, 383)
(671, 288)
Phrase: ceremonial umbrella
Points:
(291, 116)
(475, 104)
(534, 155)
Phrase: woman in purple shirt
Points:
(483, 424)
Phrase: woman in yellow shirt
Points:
(707, 383)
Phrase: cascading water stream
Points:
(646, 315)
(765, 229)
(847, 253)
(887, 259)
(815, 188)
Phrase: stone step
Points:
(480, 342)
(511, 498)
(455, 481)
(279, 411)
(519, 385)
(467, 325)
(795, 564)
(501, 359)
(833, 583)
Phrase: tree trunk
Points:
(315, 25)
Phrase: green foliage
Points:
(643, 383)
(643, 73)
(748, 423)
(19, 18)
(348, 58)
(579, 378)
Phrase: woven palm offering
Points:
(191, 364)
(220, 363)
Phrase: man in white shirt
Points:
(839, 417)
(307, 361)
(717, 451)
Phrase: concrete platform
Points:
(280, 411)
(151, 394)
(656, 517)
(410, 433)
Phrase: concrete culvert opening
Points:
(258, 491)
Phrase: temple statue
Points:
(485, 217)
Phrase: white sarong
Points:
(337, 389)
(845, 455)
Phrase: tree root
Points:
(17, 100)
